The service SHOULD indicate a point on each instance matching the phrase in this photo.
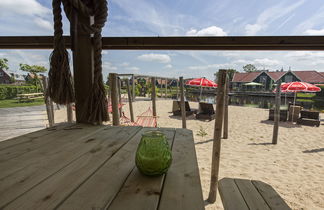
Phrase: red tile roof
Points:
(275, 75)
(310, 76)
(245, 77)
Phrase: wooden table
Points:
(246, 194)
(93, 167)
(29, 96)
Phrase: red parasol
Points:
(299, 87)
(201, 82)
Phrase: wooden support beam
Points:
(49, 108)
(130, 101)
(69, 113)
(217, 135)
(153, 96)
(225, 129)
(277, 114)
(119, 95)
(178, 43)
(82, 70)
(133, 88)
(166, 88)
(114, 98)
(182, 103)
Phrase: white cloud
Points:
(266, 62)
(23, 7)
(109, 67)
(124, 64)
(209, 31)
(270, 15)
(314, 32)
(43, 23)
(161, 58)
(133, 68)
(169, 66)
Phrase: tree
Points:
(4, 63)
(249, 68)
(34, 70)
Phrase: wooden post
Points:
(182, 103)
(166, 88)
(114, 98)
(69, 113)
(277, 114)
(177, 89)
(153, 96)
(217, 136)
(82, 66)
(49, 110)
(108, 97)
(161, 91)
(119, 95)
(133, 86)
(225, 129)
(130, 101)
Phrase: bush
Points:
(11, 91)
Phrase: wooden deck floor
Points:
(92, 167)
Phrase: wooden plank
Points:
(153, 80)
(178, 43)
(277, 113)
(217, 135)
(182, 187)
(251, 195)
(230, 195)
(52, 191)
(114, 98)
(130, 101)
(272, 198)
(28, 143)
(22, 173)
(182, 103)
(139, 191)
(107, 181)
(69, 113)
(30, 136)
(225, 129)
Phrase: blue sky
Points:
(179, 18)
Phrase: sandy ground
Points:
(294, 167)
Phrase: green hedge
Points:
(10, 91)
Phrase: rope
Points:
(60, 82)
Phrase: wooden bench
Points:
(249, 194)
(310, 118)
(29, 96)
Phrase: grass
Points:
(306, 95)
(15, 103)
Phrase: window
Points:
(288, 78)
(1, 74)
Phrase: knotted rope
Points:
(62, 92)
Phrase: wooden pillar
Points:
(82, 67)
(182, 103)
(108, 97)
(133, 86)
(161, 91)
(225, 129)
(217, 136)
(114, 98)
(166, 88)
(69, 113)
(277, 114)
(49, 108)
(153, 96)
(177, 89)
(119, 95)
(130, 101)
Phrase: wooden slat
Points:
(139, 191)
(21, 174)
(272, 198)
(30, 136)
(182, 187)
(107, 181)
(34, 142)
(251, 195)
(178, 43)
(230, 195)
(56, 188)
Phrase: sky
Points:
(179, 18)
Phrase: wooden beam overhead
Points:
(178, 43)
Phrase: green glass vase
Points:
(153, 155)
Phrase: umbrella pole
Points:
(292, 117)
(200, 89)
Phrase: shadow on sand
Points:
(282, 124)
(314, 150)
(263, 143)
(204, 142)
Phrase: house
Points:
(268, 78)
(5, 77)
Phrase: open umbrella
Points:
(299, 87)
(202, 82)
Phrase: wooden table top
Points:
(93, 167)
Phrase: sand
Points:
(294, 167)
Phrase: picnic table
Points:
(93, 167)
(29, 96)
